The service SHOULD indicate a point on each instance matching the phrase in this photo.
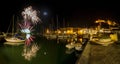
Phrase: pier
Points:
(98, 54)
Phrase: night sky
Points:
(73, 12)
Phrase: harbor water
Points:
(48, 52)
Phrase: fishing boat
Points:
(104, 42)
(70, 45)
(13, 38)
(78, 46)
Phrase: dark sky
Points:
(74, 12)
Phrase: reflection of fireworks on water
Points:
(30, 14)
(30, 52)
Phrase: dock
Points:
(98, 54)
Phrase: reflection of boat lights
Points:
(29, 53)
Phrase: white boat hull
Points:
(14, 40)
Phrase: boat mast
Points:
(57, 21)
(63, 22)
(13, 26)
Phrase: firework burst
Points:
(26, 27)
(30, 14)
(29, 39)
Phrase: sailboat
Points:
(12, 38)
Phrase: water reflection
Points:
(38, 52)
(69, 51)
(30, 51)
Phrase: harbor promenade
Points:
(98, 54)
